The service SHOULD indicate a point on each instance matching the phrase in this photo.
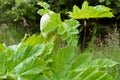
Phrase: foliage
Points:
(86, 11)
(115, 8)
(20, 13)
(41, 57)
(34, 61)
(111, 51)
(113, 4)
(9, 35)
(18, 9)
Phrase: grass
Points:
(109, 53)
(10, 35)
(109, 49)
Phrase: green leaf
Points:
(102, 63)
(68, 31)
(62, 61)
(43, 11)
(82, 69)
(23, 54)
(49, 22)
(2, 48)
(85, 5)
(44, 5)
(92, 74)
(85, 61)
(69, 26)
(40, 77)
(34, 40)
(87, 12)
(78, 67)
(3, 67)
(81, 61)
(25, 62)
(28, 69)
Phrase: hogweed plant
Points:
(52, 55)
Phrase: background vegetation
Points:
(98, 36)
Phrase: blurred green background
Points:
(19, 17)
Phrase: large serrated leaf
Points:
(66, 65)
(23, 54)
(87, 12)
(61, 63)
(25, 62)
(28, 69)
(62, 60)
(82, 69)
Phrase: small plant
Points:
(41, 57)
